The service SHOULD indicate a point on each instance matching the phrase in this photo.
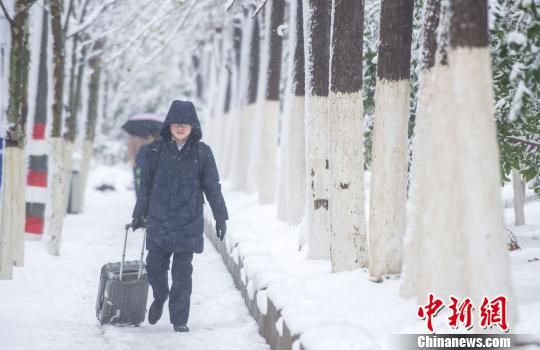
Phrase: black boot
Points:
(181, 328)
(155, 311)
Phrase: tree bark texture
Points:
(395, 36)
(58, 61)
(348, 236)
(275, 48)
(469, 23)
(40, 114)
(254, 62)
(18, 77)
(432, 10)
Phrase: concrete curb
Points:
(267, 322)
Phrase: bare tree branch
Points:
(169, 39)
(91, 18)
(261, 6)
(6, 13)
(229, 5)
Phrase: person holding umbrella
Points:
(142, 129)
(177, 170)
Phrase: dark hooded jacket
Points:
(173, 183)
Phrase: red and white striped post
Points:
(36, 181)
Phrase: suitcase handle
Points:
(128, 226)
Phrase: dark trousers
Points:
(157, 267)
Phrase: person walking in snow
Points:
(177, 170)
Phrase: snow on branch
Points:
(169, 39)
(513, 139)
(144, 30)
(91, 18)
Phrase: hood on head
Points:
(182, 112)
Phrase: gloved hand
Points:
(138, 223)
(221, 229)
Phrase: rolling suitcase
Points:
(123, 290)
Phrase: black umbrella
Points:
(144, 125)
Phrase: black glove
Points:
(138, 223)
(221, 229)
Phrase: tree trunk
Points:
(479, 215)
(240, 180)
(267, 169)
(13, 212)
(234, 111)
(59, 185)
(292, 195)
(424, 183)
(37, 177)
(389, 150)
(317, 54)
(519, 198)
(91, 118)
(348, 237)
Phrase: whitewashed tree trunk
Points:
(246, 125)
(431, 119)
(429, 202)
(388, 177)
(267, 174)
(86, 161)
(292, 168)
(293, 161)
(318, 219)
(519, 198)
(13, 209)
(348, 236)
(389, 151)
(316, 223)
(58, 187)
(480, 208)
(348, 239)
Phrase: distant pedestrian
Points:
(176, 171)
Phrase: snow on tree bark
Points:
(348, 238)
(267, 169)
(317, 52)
(389, 152)
(292, 181)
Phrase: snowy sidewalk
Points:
(50, 303)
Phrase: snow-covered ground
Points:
(50, 303)
(346, 310)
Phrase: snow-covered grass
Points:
(346, 310)
(50, 302)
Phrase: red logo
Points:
(493, 312)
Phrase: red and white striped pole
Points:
(36, 181)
